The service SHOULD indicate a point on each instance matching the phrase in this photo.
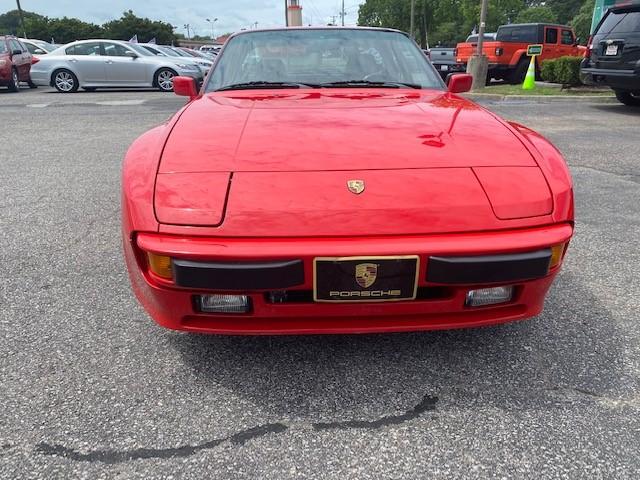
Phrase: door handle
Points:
(108, 61)
(73, 60)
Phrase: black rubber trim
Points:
(238, 275)
(489, 269)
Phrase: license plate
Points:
(444, 68)
(612, 50)
(365, 279)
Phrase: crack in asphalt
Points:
(428, 403)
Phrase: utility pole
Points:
(187, 26)
(478, 65)
(342, 13)
(24, 31)
(413, 17)
(286, 13)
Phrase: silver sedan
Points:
(91, 64)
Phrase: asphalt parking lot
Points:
(91, 387)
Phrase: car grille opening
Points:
(306, 296)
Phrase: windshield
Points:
(167, 51)
(316, 57)
(140, 50)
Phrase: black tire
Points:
(14, 83)
(89, 89)
(65, 81)
(31, 84)
(163, 79)
(518, 74)
(631, 99)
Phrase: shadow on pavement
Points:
(571, 352)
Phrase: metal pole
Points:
(24, 31)
(286, 13)
(413, 14)
(483, 20)
(342, 13)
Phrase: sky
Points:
(232, 15)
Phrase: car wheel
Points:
(632, 99)
(518, 74)
(164, 79)
(14, 83)
(65, 81)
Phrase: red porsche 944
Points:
(326, 180)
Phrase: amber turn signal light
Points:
(160, 265)
(556, 255)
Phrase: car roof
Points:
(534, 25)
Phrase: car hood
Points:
(341, 129)
(280, 164)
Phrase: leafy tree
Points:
(129, 25)
(581, 23)
(541, 14)
(565, 10)
(10, 21)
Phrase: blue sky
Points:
(232, 15)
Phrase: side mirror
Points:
(185, 87)
(130, 54)
(16, 52)
(459, 83)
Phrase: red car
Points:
(327, 181)
(15, 63)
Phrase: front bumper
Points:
(439, 305)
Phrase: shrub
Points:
(563, 70)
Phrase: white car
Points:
(177, 55)
(37, 47)
(91, 64)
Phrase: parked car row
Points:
(92, 64)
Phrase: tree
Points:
(129, 25)
(10, 21)
(581, 23)
(541, 14)
(565, 10)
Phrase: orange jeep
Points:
(508, 53)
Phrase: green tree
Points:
(565, 10)
(541, 14)
(581, 23)
(129, 25)
(10, 21)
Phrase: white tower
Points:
(294, 13)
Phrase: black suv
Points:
(613, 54)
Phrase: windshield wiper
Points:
(251, 85)
(369, 83)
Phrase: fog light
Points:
(224, 303)
(556, 255)
(489, 296)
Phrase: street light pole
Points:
(212, 23)
(342, 13)
(478, 65)
(187, 26)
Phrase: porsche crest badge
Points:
(366, 274)
(356, 186)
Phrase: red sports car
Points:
(325, 180)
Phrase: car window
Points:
(519, 34)
(32, 48)
(115, 50)
(3, 46)
(15, 45)
(620, 22)
(317, 56)
(551, 35)
(567, 37)
(89, 48)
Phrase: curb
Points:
(494, 97)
